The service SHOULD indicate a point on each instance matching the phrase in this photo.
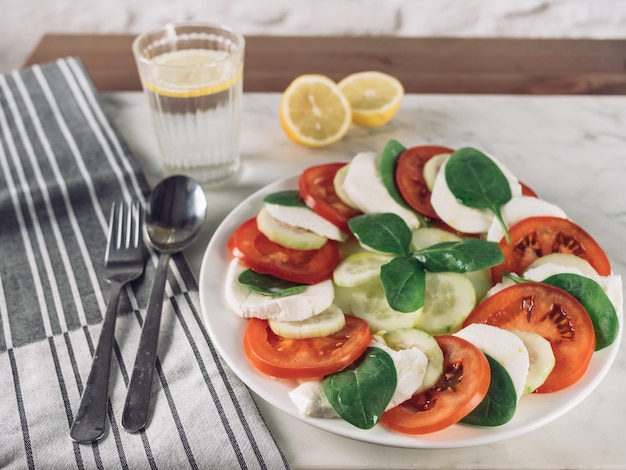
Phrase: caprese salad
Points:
(418, 288)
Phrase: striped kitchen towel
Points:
(62, 165)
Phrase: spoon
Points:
(174, 215)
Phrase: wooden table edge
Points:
(423, 65)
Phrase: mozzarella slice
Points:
(463, 218)
(365, 188)
(410, 367)
(305, 218)
(611, 285)
(502, 345)
(310, 399)
(520, 208)
(249, 304)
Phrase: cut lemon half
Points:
(373, 96)
(314, 112)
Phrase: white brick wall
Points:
(23, 22)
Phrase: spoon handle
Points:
(137, 405)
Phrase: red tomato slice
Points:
(463, 385)
(318, 192)
(264, 256)
(527, 191)
(410, 177)
(304, 358)
(550, 312)
(538, 236)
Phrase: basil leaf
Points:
(289, 197)
(469, 254)
(387, 168)
(384, 232)
(589, 293)
(477, 181)
(266, 284)
(498, 406)
(404, 281)
(360, 393)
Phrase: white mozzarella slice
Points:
(249, 304)
(503, 346)
(310, 399)
(410, 367)
(365, 188)
(305, 218)
(460, 217)
(611, 285)
(520, 208)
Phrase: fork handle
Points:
(137, 405)
(90, 421)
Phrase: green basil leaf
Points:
(477, 181)
(266, 284)
(498, 406)
(515, 278)
(387, 168)
(404, 281)
(361, 392)
(384, 232)
(589, 293)
(289, 197)
(469, 254)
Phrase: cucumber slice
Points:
(326, 323)
(407, 338)
(541, 358)
(359, 268)
(567, 260)
(448, 300)
(429, 236)
(432, 167)
(368, 302)
(338, 180)
(287, 235)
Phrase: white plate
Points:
(226, 330)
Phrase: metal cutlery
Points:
(124, 262)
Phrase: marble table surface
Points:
(571, 150)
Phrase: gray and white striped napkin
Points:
(62, 164)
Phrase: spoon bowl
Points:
(174, 217)
(175, 214)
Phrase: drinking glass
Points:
(192, 76)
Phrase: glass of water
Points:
(192, 74)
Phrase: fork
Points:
(123, 262)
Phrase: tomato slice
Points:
(317, 190)
(527, 190)
(460, 389)
(534, 237)
(410, 177)
(304, 358)
(550, 312)
(264, 256)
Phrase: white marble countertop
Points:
(570, 150)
